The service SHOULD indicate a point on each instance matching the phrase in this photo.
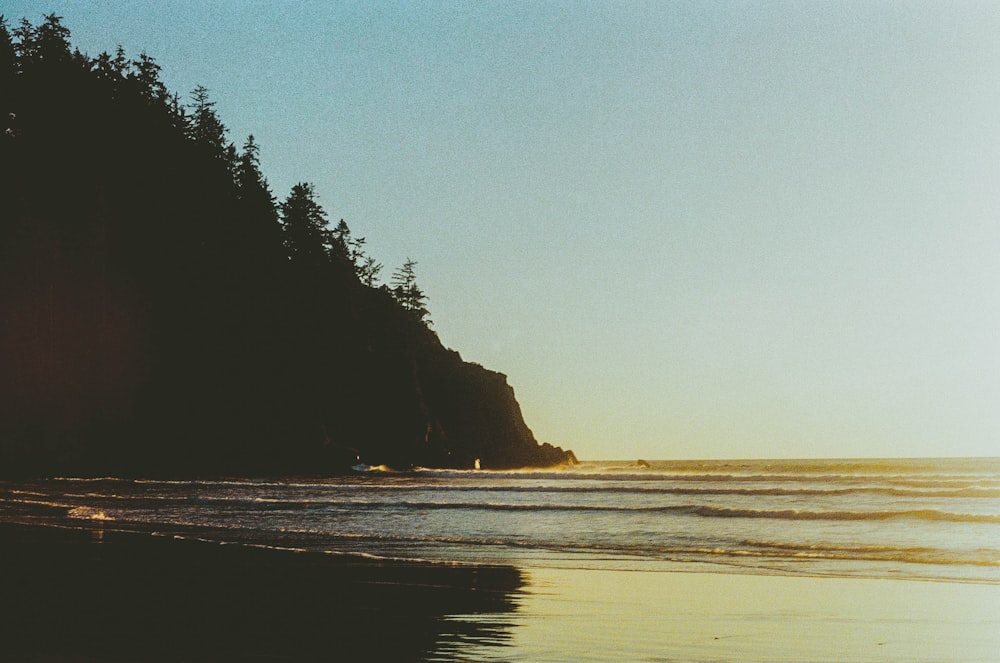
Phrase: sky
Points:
(681, 229)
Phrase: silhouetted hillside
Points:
(162, 313)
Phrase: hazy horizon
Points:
(682, 230)
(789, 459)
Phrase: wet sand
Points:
(71, 595)
(573, 615)
(93, 596)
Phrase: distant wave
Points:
(323, 494)
(702, 511)
(46, 503)
(631, 475)
(978, 484)
(968, 491)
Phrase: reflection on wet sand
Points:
(140, 597)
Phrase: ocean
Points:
(927, 519)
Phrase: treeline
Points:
(164, 313)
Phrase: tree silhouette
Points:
(204, 126)
(145, 73)
(111, 70)
(408, 293)
(249, 180)
(368, 271)
(7, 57)
(46, 44)
(343, 245)
(350, 249)
(259, 232)
(8, 63)
(307, 238)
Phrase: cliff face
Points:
(424, 406)
(154, 320)
(399, 398)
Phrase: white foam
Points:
(88, 513)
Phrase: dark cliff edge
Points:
(162, 314)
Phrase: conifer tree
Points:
(260, 231)
(46, 44)
(368, 271)
(145, 73)
(204, 126)
(53, 39)
(408, 293)
(304, 222)
(8, 63)
(7, 60)
(110, 70)
(342, 247)
(249, 180)
(25, 42)
(350, 249)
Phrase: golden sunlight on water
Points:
(602, 615)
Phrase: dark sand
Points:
(77, 595)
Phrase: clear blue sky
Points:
(682, 229)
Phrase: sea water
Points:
(928, 519)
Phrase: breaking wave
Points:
(703, 511)
(88, 513)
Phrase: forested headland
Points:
(162, 312)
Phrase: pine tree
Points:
(307, 238)
(25, 42)
(350, 249)
(204, 126)
(368, 271)
(46, 44)
(408, 293)
(8, 64)
(111, 70)
(249, 180)
(342, 247)
(145, 73)
(260, 230)
(7, 59)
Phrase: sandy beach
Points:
(77, 595)
(581, 615)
